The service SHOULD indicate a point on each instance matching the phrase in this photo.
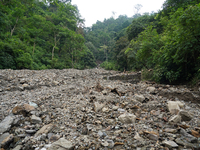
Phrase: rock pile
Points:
(73, 109)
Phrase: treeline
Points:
(167, 42)
(37, 34)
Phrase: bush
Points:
(109, 65)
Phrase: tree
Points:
(137, 8)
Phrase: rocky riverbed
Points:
(78, 109)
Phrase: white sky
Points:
(93, 10)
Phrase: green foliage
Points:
(180, 55)
(36, 35)
(138, 25)
(24, 61)
(109, 65)
(106, 33)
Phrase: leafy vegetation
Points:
(166, 42)
(49, 34)
(39, 34)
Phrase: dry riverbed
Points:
(83, 109)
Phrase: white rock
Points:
(151, 89)
(170, 144)
(115, 107)
(35, 119)
(62, 144)
(139, 98)
(127, 118)
(174, 106)
(18, 147)
(98, 106)
(138, 137)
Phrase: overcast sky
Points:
(93, 10)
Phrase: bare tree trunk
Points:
(12, 30)
(72, 58)
(33, 48)
(54, 46)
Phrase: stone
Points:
(174, 107)
(185, 116)
(33, 104)
(170, 144)
(62, 144)
(55, 82)
(30, 131)
(188, 136)
(139, 98)
(127, 118)
(6, 124)
(110, 121)
(153, 137)
(18, 110)
(175, 119)
(111, 144)
(28, 107)
(98, 106)
(105, 109)
(45, 129)
(138, 137)
(170, 130)
(115, 108)
(35, 119)
(185, 143)
(18, 147)
(54, 138)
(3, 136)
(104, 143)
(5, 143)
(100, 133)
(151, 90)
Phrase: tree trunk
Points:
(33, 48)
(72, 58)
(12, 30)
(55, 43)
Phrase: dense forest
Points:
(165, 45)
(50, 34)
(39, 34)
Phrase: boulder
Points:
(35, 119)
(6, 124)
(139, 98)
(170, 144)
(127, 118)
(5, 143)
(62, 144)
(45, 129)
(185, 116)
(174, 107)
(28, 107)
(151, 90)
